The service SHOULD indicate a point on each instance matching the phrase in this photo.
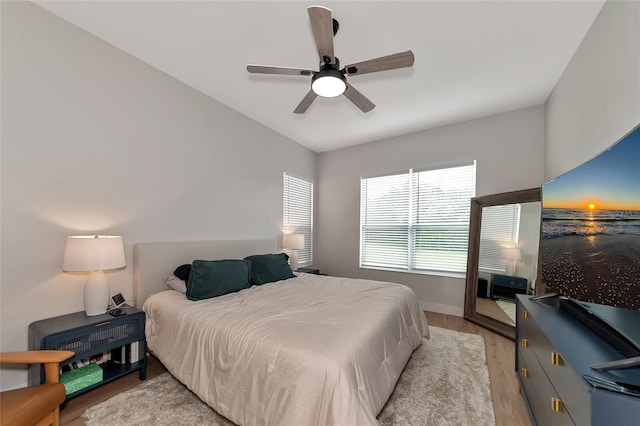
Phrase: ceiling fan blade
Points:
(267, 69)
(305, 103)
(358, 99)
(384, 63)
(322, 26)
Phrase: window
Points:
(500, 227)
(417, 220)
(298, 213)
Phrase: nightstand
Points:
(120, 338)
(309, 271)
(507, 286)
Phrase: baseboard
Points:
(457, 311)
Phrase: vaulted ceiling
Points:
(472, 58)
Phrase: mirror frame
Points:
(471, 288)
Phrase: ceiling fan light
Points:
(329, 83)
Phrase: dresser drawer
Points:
(528, 374)
(567, 386)
(526, 354)
(570, 388)
(546, 405)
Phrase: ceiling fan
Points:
(331, 81)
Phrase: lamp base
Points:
(293, 260)
(96, 294)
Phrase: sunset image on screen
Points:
(591, 228)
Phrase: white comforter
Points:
(311, 350)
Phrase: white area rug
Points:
(509, 308)
(446, 382)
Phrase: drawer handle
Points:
(525, 372)
(556, 405)
(525, 343)
(556, 358)
(100, 324)
(525, 314)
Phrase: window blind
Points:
(443, 206)
(499, 230)
(298, 214)
(417, 220)
(385, 211)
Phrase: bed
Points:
(309, 350)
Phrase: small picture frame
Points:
(117, 300)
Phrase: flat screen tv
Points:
(590, 244)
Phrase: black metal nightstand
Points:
(92, 336)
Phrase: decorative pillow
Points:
(183, 272)
(176, 284)
(212, 278)
(268, 268)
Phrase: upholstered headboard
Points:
(154, 261)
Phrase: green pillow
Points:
(267, 268)
(212, 278)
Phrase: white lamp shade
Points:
(512, 253)
(88, 253)
(94, 254)
(294, 241)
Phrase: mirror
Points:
(503, 257)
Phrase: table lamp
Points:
(512, 253)
(293, 242)
(94, 254)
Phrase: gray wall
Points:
(597, 100)
(96, 141)
(508, 149)
(594, 104)
(528, 241)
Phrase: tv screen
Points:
(591, 228)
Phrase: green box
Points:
(81, 378)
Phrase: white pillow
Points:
(176, 283)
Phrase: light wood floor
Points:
(490, 308)
(508, 404)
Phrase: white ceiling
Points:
(473, 58)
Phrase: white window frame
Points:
(399, 210)
(297, 213)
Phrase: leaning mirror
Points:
(503, 257)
